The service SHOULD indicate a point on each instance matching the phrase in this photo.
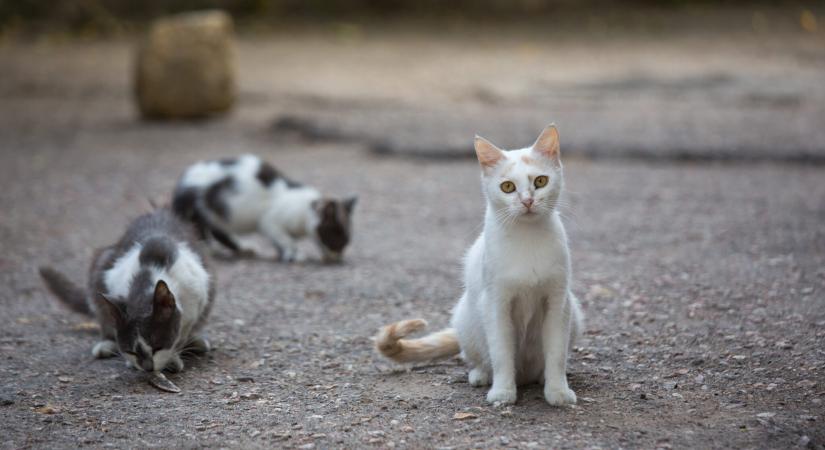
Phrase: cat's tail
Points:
(70, 294)
(390, 343)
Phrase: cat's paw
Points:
(104, 349)
(559, 395)
(174, 365)
(501, 396)
(479, 377)
(199, 345)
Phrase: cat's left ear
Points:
(163, 305)
(547, 144)
(349, 204)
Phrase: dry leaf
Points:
(85, 326)
(464, 416)
(48, 409)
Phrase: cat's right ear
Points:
(488, 154)
(110, 309)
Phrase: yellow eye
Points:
(541, 181)
(508, 187)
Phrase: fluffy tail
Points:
(438, 345)
(65, 290)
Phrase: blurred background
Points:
(668, 79)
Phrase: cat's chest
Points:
(528, 261)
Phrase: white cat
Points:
(517, 317)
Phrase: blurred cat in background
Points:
(243, 195)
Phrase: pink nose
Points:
(528, 202)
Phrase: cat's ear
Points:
(488, 154)
(163, 304)
(349, 204)
(547, 144)
(110, 309)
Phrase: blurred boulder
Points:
(185, 67)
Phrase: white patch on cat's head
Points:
(513, 181)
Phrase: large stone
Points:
(185, 67)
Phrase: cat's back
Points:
(161, 222)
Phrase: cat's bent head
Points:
(332, 231)
(147, 323)
(522, 184)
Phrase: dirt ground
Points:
(703, 282)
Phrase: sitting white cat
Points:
(516, 319)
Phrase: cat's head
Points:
(147, 324)
(523, 184)
(333, 226)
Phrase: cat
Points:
(246, 194)
(517, 317)
(150, 293)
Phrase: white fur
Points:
(515, 319)
(282, 214)
(119, 277)
(188, 281)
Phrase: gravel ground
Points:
(703, 284)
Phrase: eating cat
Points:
(150, 293)
(246, 194)
(517, 316)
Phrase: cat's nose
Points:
(528, 202)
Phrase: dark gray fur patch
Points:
(333, 228)
(184, 202)
(292, 184)
(214, 197)
(266, 174)
(228, 161)
(159, 251)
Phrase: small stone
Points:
(65, 379)
(407, 429)
(739, 357)
(765, 415)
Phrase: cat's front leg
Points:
(555, 339)
(283, 242)
(498, 326)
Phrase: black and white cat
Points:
(243, 195)
(150, 292)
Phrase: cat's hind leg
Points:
(104, 349)
(174, 365)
